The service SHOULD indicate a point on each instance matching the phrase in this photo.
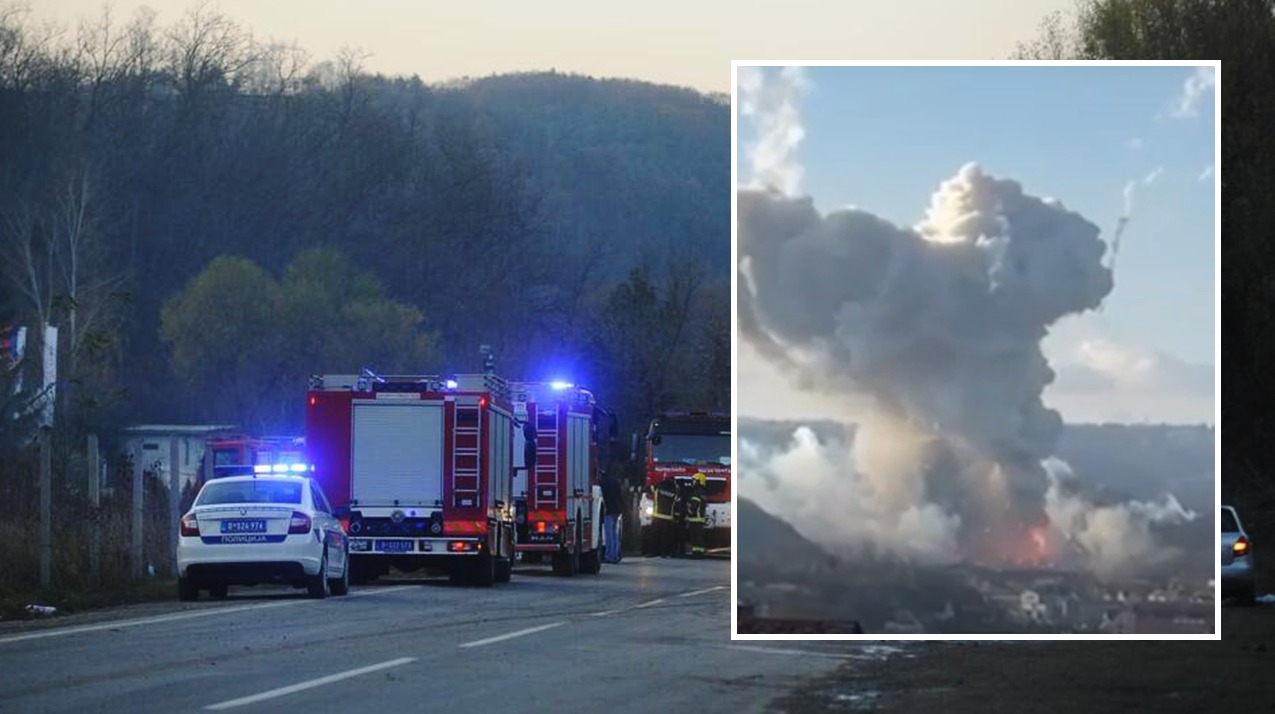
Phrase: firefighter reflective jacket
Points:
(664, 497)
(695, 514)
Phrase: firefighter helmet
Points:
(700, 478)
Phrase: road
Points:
(1232, 675)
(645, 635)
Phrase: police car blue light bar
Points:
(561, 385)
(451, 384)
(261, 469)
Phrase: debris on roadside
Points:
(41, 610)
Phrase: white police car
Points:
(262, 528)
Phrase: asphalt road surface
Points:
(645, 635)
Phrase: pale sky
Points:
(663, 41)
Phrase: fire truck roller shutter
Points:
(397, 453)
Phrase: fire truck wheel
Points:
(504, 570)
(318, 584)
(484, 570)
(648, 540)
(360, 573)
(567, 562)
(591, 561)
(187, 590)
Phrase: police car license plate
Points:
(395, 546)
(244, 526)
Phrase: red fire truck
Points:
(680, 444)
(237, 454)
(419, 468)
(557, 490)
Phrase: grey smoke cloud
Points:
(938, 327)
(941, 324)
(1110, 537)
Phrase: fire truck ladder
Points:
(466, 440)
(546, 481)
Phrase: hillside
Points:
(628, 167)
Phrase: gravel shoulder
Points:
(1049, 677)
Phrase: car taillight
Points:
(1241, 546)
(345, 525)
(190, 525)
(300, 523)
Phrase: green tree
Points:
(245, 343)
(223, 332)
(1240, 33)
(340, 319)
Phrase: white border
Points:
(1217, 332)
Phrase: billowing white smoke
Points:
(773, 106)
(852, 498)
(940, 326)
(1110, 537)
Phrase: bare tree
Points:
(207, 48)
(87, 287)
(28, 255)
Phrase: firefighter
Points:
(679, 520)
(662, 516)
(695, 513)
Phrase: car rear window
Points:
(262, 491)
(1228, 522)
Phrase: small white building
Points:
(150, 446)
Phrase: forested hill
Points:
(210, 220)
(623, 166)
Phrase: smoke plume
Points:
(773, 107)
(939, 327)
(1110, 537)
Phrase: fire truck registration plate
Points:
(242, 526)
(395, 546)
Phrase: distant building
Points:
(150, 447)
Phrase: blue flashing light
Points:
(451, 384)
(298, 468)
(280, 468)
(261, 469)
(559, 385)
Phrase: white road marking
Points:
(282, 691)
(604, 613)
(705, 590)
(511, 635)
(175, 617)
(801, 653)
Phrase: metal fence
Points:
(65, 530)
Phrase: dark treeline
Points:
(209, 220)
(1240, 33)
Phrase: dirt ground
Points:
(1228, 676)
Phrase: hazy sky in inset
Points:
(664, 41)
(883, 138)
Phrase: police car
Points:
(262, 528)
